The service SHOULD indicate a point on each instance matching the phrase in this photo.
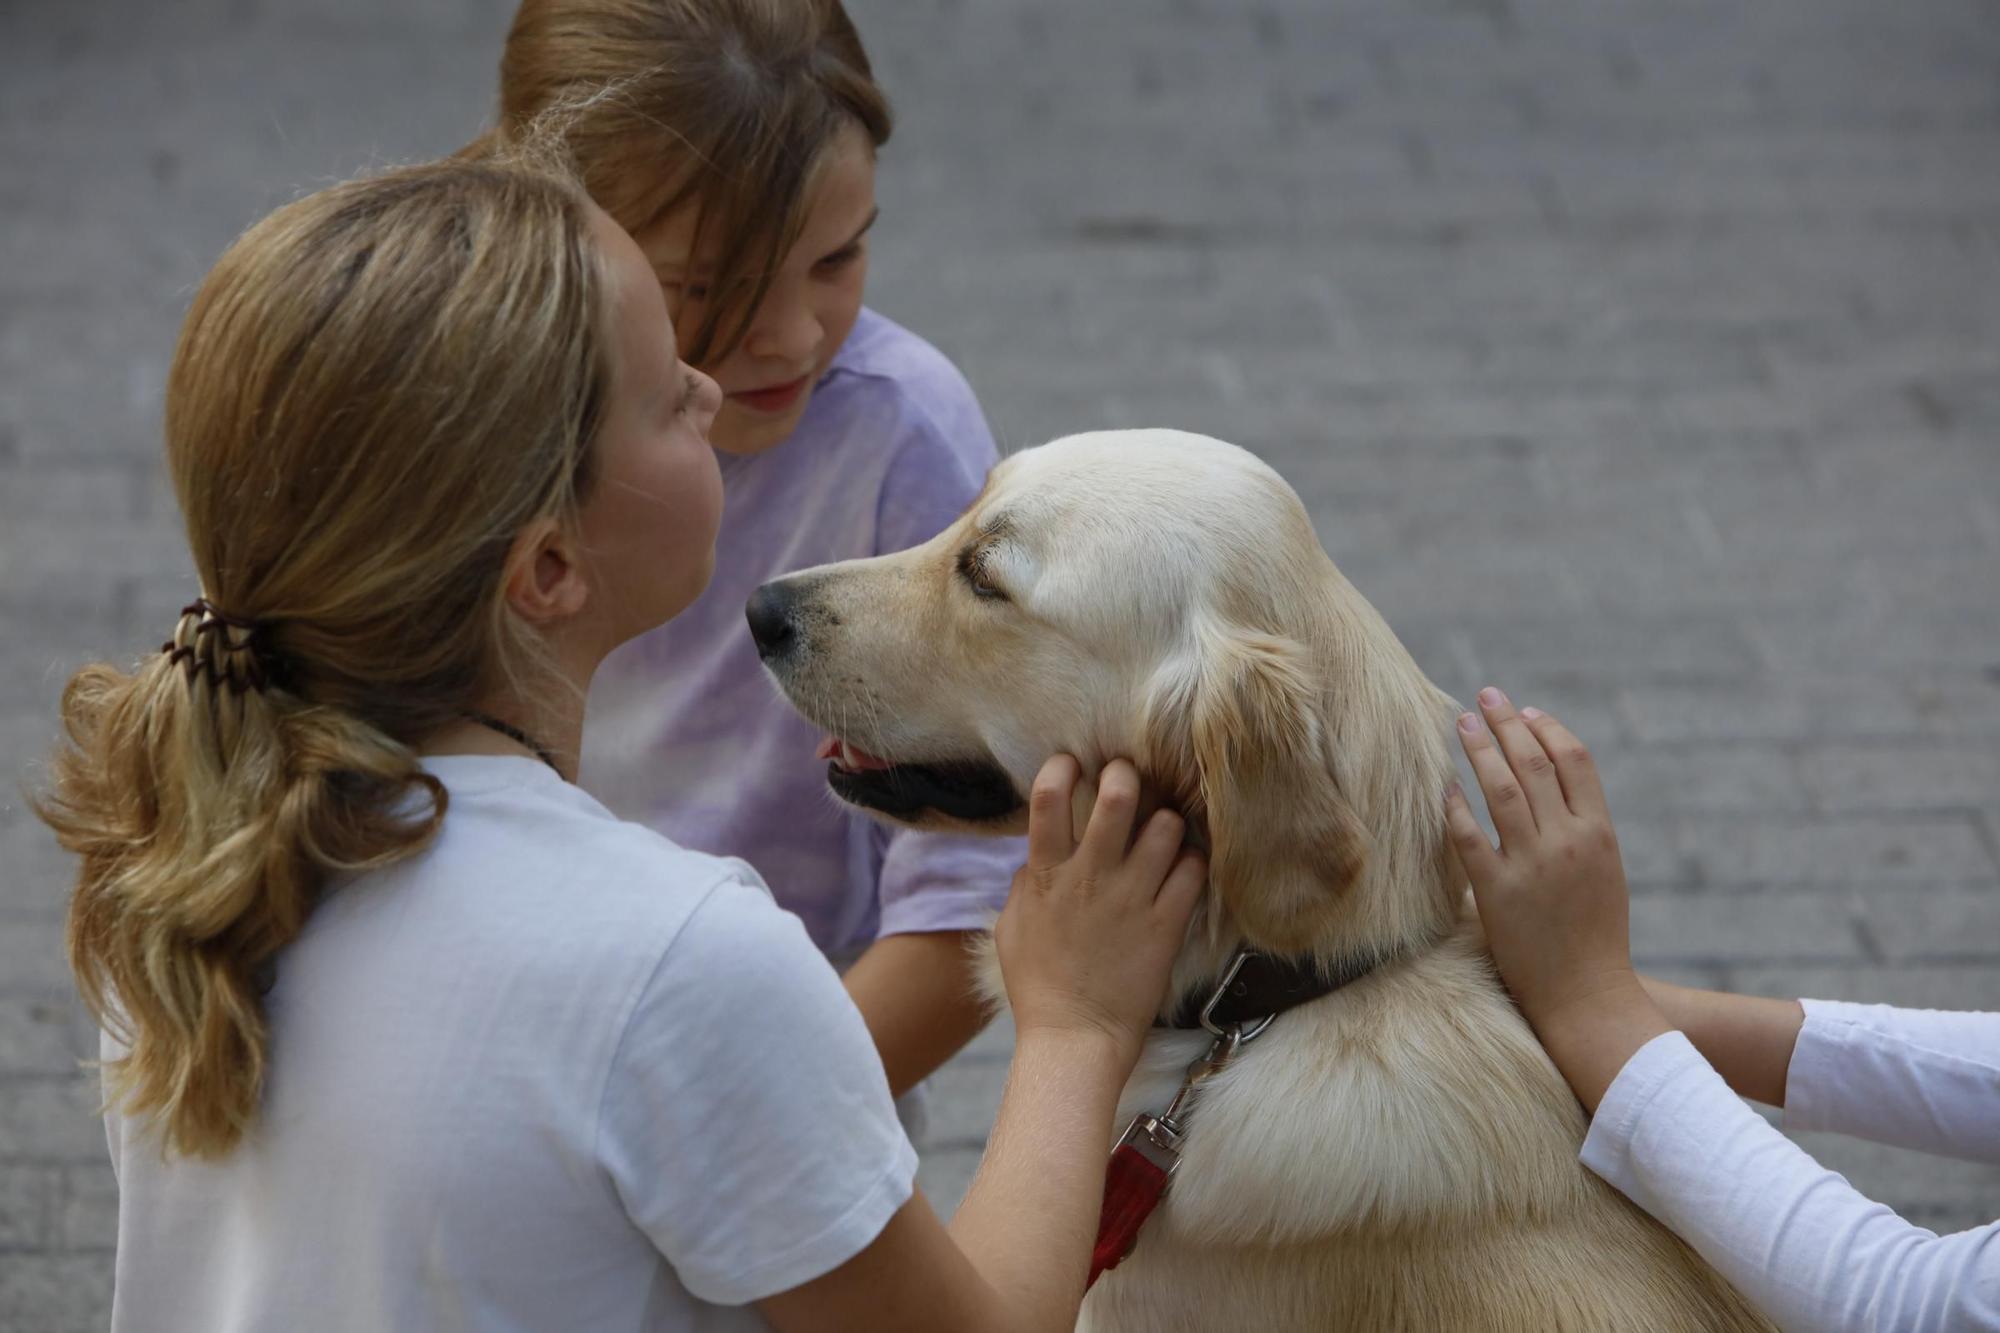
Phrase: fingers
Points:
(1181, 891)
(1158, 844)
(1531, 764)
(1575, 769)
(1051, 832)
(1109, 832)
(1506, 801)
(1474, 852)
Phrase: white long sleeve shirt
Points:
(1794, 1237)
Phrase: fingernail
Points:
(1452, 792)
(1532, 713)
(1469, 723)
(1491, 697)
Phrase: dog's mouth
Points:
(974, 790)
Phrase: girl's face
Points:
(647, 529)
(806, 314)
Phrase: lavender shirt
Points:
(687, 734)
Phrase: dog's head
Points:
(1149, 594)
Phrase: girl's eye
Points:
(839, 259)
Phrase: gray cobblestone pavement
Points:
(1642, 358)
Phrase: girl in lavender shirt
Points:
(736, 142)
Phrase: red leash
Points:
(1135, 1180)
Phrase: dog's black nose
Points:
(770, 614)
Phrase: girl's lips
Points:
(776, 399)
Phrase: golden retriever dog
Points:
(1397, 1154)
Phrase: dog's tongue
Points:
(848, 756)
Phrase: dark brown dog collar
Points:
(1258, 987)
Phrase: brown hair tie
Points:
(243, 663)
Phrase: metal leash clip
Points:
(1256, 1029)
(1157, 1138)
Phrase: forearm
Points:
(1030, 1217)
(915, 994)
(1748, 1039)
(1793, 1237)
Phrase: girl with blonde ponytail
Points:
(402, 1029)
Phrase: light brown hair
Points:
(375, 390)
(725, 104)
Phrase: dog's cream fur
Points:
(1399, 1154)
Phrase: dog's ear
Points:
(1241, 724)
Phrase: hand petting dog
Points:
(1552, 896)
(1094, 920)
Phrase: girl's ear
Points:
(546, 580)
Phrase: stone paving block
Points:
(1438, 584)
(1752, 527)
(1788, 709)
(52, 1118)
(1619, 648)
(31, 957)
(1863, 852)
(1954, 985)
(1719, 779)
(35, 873)
(1915, 925)
(1935, 774)
(55, 1293)
(88, 1216)
(1890, 638)
(36, 1036)
(1756, 928)
(1697, 578)
(27, 1205)
(1418, 483)
(1953, 575)
(1965, 704)
(34, 552)
(95, 491)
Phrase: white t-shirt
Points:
(553, 1073)
(1798, 1240)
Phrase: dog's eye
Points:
(973, 571)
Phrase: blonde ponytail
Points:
(375, 389)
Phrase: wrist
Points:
(1592, 1036)
(1583, 996)
(1084, 1046)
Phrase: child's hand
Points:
(1552, 897)
(1092, 926)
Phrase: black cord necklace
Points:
(515, 734)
